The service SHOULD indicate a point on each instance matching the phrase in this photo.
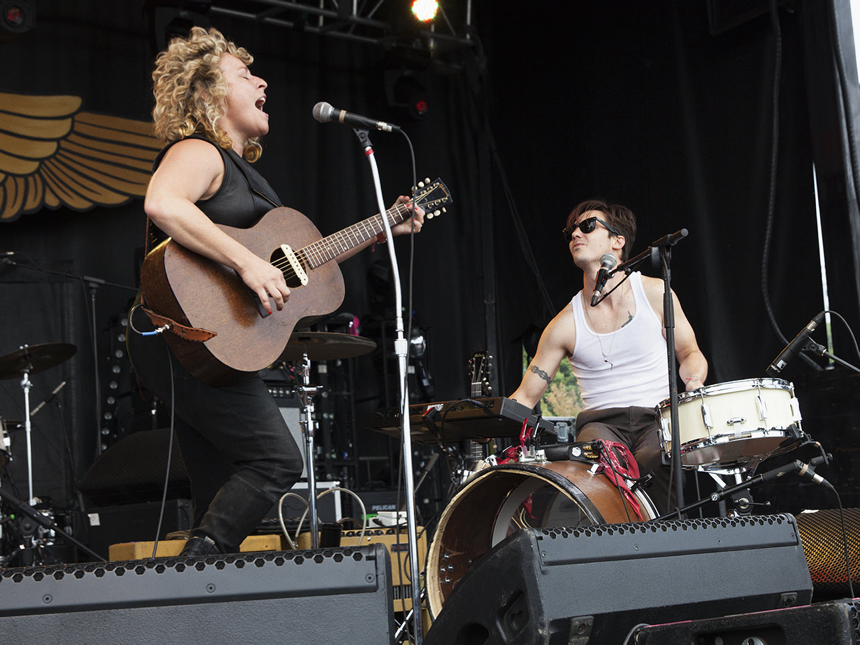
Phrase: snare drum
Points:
(731, 427)
(499, 500)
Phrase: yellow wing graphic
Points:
(52, 154)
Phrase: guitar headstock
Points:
(479, 369)
(432, 197)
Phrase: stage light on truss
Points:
(425, 10)
(16, 19)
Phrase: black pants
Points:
(638, 429)
(235, 443)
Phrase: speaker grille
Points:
(211, 578)
(822, 538)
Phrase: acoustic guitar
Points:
(220, 328)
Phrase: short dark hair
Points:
(618, 217)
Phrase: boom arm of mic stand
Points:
(815, 348)
(758, 480)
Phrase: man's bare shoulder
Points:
(561, 331)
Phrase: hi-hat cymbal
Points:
(31, 359)
(325, 346)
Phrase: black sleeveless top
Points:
(242, 199)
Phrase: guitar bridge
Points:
(298, 270)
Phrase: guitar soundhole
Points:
(279, 259)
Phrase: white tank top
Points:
(634, 370)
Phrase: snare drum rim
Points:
(728, 387)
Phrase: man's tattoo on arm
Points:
(546, 377)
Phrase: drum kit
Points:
(726, 429)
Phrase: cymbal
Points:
(35, 358)
(325, 346)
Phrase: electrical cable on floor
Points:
(169, 454)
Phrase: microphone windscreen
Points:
(608, 261)
(322, 112)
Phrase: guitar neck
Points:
(328, 248)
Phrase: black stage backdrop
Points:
(557, 102)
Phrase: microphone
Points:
(794, 346)
(48, 399)
(607, 263)
(324, 112)
(805, 471)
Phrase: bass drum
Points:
(499, 500)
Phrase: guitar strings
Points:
(324, 245)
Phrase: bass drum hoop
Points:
(478, 516)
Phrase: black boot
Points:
(198, 545)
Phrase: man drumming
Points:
(617, 349)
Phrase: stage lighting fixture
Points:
(425, 10)
(16, 19)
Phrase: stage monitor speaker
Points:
(825, 546)
(831, 623)
(340, 595)
(593, 585)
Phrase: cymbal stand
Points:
(26, 384)
(306, 392)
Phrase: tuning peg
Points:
(427, 180)
(420, 184)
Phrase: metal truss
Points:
(367, 21)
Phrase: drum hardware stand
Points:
(306, 393)
(660, 253)
(45, 521)
(806, 470)
(401, 349)
(26, 384)
(402, 633)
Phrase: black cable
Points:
(169, 452)
(774, 162)
(848, 327)
(481, 109)
(844, 536)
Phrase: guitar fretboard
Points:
(328, 248)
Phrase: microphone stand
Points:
(804, 469)
(401, 348)
(660, 253)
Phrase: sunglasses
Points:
(586, 226)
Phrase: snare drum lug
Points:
(734, 420)
(794, 404)
(667, 429)
(706, 416)
(762, 409)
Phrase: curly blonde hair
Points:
(190, 90)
